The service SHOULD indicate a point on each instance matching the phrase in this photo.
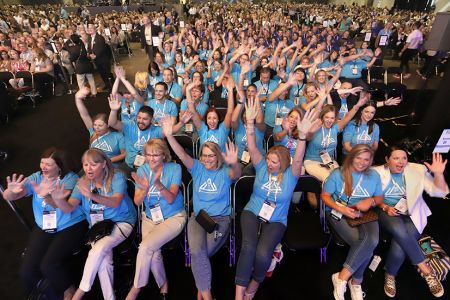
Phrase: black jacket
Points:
(155, 32)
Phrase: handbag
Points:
(366, 217)
(99, 230)
(206, 221)
(435, 256)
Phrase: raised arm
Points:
(15, 187)
(84, 114)
(114, 105)
(230, 157)
(251, 111)
(363, 97)
(230, 103)
(185, 158)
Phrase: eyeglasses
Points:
(208, 155)
(154, 155)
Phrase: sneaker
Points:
(340, 286)
(356, 291)
(389, 286)
(435, 285)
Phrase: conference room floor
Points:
(55, 122)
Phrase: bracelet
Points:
(384, 208)
(302, 140)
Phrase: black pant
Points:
(40, 79)
(104, 69)
(150, 50)
(407, 55)
(46, 258)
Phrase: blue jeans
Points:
(202, 246)
(404, 241)
(256, 251)
(362, 240)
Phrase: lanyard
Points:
(299, 88)
(276, 184)
(326, 141)
(139, 138)
(353, 191)
(266, 89)
(54, 182)
(92, 186)
(171, 85)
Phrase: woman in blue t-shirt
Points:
(362, 129)
(287, 134)
(102, 195)
(164, 217)
(212, 129)
(267, 210)
(348, 193)
(212, 177)
(101, 137)
(404, 212)
(57, 233)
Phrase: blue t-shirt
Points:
(169, 57)
(267, 188)
(352, 69)
(218, 135)
(63, 220)
(152, 81)
(240, 139)
(360, 134)
(201, 107)
(343, 110)
(296, 91)
(324, 140)
(395, 190)
(236, 73)
(265, 89)
(128, 114)
(276, 109)
(180, 68)
(171, 175)
(211, 190)
(364, 186)
(135, 139)
(175, 90)
(111, 143)
(162, 109)
(288, 141)
(125, 212)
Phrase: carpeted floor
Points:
(55, 122)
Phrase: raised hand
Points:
(245, 68)
(229, 83)
(363, 98)
(356, 90)
(186, 117)
(392, 101)
(231, 155)
(251, 110)
(166, 125)
(83, 92)
(114, 103)
(15, 183)
(45, 187)
(143, 181)
(84, 188)
(438, 165)
(286, 124)
(119, 71)
(58, 192)
(310, 120)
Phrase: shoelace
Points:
(432, 281)
(359, 290)
(390, 282)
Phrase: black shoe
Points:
(163, 296)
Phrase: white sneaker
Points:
(356, 291)
(340, 286)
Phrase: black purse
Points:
(99, 230)
(206, 221)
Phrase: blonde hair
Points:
(216, 150)
(347, 165)
(283, 155)
(141, 80)
(98, 156)
(160, 145)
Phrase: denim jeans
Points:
(256, 251)
(362, 240)
(202, 246)
(404, 241)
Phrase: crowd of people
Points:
(276, 91)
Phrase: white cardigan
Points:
(417, 180)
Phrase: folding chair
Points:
(6, 76)
(393, 70)
(17, 212)
(396, 89)
(378, 90)
(269, 143)
(28, 91)
(188, 144)
(222, 111)
(307, 228)
(375, 73)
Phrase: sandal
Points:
(249, 295)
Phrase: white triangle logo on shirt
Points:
(364, 137)
(212, 138)
(244, 138)
(104, 146)
(208, 187)
(326, 141)
(272, 187)
(153, 191)
(138, 144)
(159, 113)
(395, 191)
(360, 192)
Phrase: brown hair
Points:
(61, 159)
(347, 166)
(102, 117)
(283, 155)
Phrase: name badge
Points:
(278, 121)
(355, 70)
(297, 101)
(266, 211)
(402, 206)
(139, 160)
(49, 221)
(96, 216)
(245, 82)
(326, 158)
(335, 214)
(245, 157)
(156, 213)
(189, 127)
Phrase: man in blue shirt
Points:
(174, 89)
(162, 106)
(352, 66)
